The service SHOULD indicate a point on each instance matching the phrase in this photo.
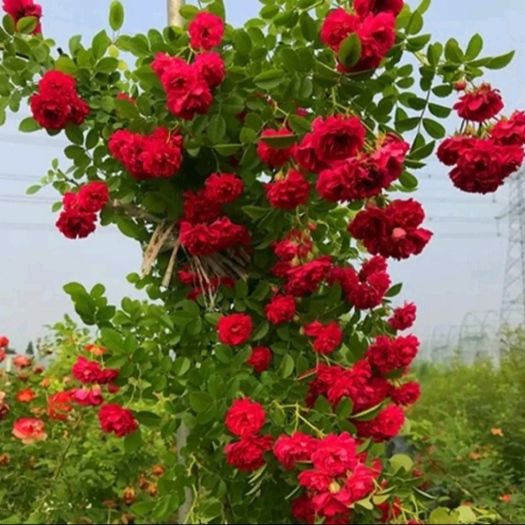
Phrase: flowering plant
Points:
(256, 166)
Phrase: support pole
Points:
(174, 19)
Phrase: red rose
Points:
(224, 188)
(274, 157)
(245, 417)
(406, 394)
(484, 167)
(211, 67)
(328, 339)
(206, 31)
(92, 397)
(49, 112)
(384, 427)
(93, 196)
(247, 454)
(451, 149)
(235, 329)
(365, 7)
(29, 430)
(334, 455)
(148, 156)
(392, 231)
(90, 372)
(2, 354)
(260, 359)
(57, 103)
(303, 509)
(290, 449)
(510, 132)
(337, 138)
(403, 317)
(25, 396)
(315, 480)
(116, 419)
(206, 239)
(280, 309)
(199, 208)
(288, 193)
(337, 26)
(4, 341)
(377, 36)
(306, 279)
(187, 92)
(479, 105)
(74, 224)
(22, 361)
(59, 404)
(18, 9)
(388, 355)
(125, 96)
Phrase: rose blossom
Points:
(234, 329)
(260, 358)
(29, 430)
(245, 417)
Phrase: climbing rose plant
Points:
(262, 170)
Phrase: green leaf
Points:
(344, 408)
(33, 189)
(287, 366)
(74, 134)
(116, 15)
(299, 124)
(28, 125)
(401, 461)
(27, 24)
(501, 61)
(216, 128)
(350, 50)
(280, 141)
(261, 331)
(200, 401)
(66, 65)
(133, 441)
(182, 365)
(308, 27)
(474, 47)
(74, 289)
(188, 11)
(107, 65)
(434, 129)
(148, 419)
(394, 290)
(439, 111)
(143, 508)
(453, 52)
(422, 8)
(227, 150)
(269, 79)
(255, 212)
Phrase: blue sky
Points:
(455, 275)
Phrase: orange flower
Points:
(128, 496)
(38, 369)
(475, 455)
(158, 471)
(59, 405)
(45, 382)
(5, 459)
(143, 482)
(25, 396)
(152, 489)
(505, 498)
(96, 350)
(496, 432)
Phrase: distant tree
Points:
(30, 350)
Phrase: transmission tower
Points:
(512, 312)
